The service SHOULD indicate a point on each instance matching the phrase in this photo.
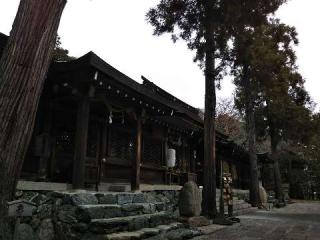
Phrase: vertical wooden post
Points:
(193, 158)
(290, 176)
(81, 143)
(44, 159)
(135, 178)
(164, 155)
(104, 151)
(183, 157)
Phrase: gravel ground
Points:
(298, 221)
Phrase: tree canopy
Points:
(267, 79)
(208, 27)
(186, 20)
(61, 54)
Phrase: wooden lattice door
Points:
(96, 151)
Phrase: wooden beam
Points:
(81, 143)
(135, 178)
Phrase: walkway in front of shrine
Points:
(298, 221)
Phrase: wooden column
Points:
(47, 148)
(290, 176)
(165, 148)
(81, 143)
(135, 178)
(103, 152)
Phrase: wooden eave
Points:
(84, 68)
(91, 62)
(180, 122)
(107, 69)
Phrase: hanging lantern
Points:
(171, 158)
(122, 121)
(96, 76)
(110, 118)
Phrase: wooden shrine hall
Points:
(97, 126)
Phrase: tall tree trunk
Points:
(274, 154)
(251, 134)
(276, 166)
(23, 67)
(209, 168)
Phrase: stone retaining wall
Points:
(58, 215)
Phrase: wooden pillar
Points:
(81, 143)
(290, 176)
(135, 178)
(47, 141)
(103, 152)
(193, 158)
(165, 177)
(165, 146)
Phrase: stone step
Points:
(129, 223)
(101, 211)
(125, 198)
(120, 198)
(85, 197)
(243, 205)
(144, 232)
(237, 204)
(237, 208)
(240, 207)
(237, 201)
(93, 198)
(234, 199)
(245, 211)
(178, 234)
(173, 231)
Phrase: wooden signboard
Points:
(21, 208)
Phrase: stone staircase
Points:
(85, 215)
(240, 206)
(125, 216)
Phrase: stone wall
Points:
(67, 216)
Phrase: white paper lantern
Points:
(171, 157)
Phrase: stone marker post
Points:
(190, 200)
(18, 209)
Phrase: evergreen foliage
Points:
(265, 71)
(208, 27)
(60, 54)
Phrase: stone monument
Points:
(190, 200)
(263, 195)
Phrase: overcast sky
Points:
(116, 30)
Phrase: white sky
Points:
(117, 32)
